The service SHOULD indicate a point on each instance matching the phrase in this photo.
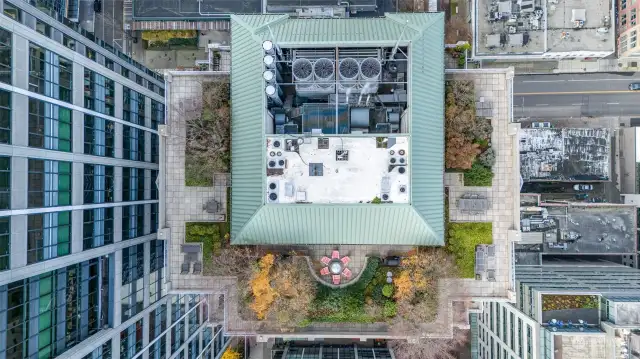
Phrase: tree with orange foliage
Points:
(263, 293)
(460, 120)
(460, 152)
(296, 289)
(230, 353)
(404, 287)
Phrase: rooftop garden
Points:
(467, 137)
(212, 237)
(561, 302)
(208, 142)
(461, 242)
(170, 39)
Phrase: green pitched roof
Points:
(419, 223)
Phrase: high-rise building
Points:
(82, 273)
(568, 310)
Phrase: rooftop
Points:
(578, 229)
(339, 170)
(565, 154)
(579, 346)
(335, 93)
(536, 27)
(192, 9)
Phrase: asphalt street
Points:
(575, 95)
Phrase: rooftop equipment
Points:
(349, 70)
(323, 70)
(274, 94)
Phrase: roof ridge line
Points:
(249, 221)
(272, 22)
(393, 17)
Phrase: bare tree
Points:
(430, 348)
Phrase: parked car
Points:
(582, 187)
(541, 125)
(97, 6)
(582, 196)
(634, 86)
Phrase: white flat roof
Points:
(366, 173)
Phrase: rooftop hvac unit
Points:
(274, 94)
(269, 76)
(349, 69)
(323, 70)
(271, 49)
(302, 70)
(272, 192)
(370, 68)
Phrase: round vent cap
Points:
(276, 144)
(392, 160)
(392, 152)
(272, 163)
(401, 152)
(401, 160)
(273, 196)
(272, 153)
(385, 197)
(402, 170)
(272, 185)
(281, 162)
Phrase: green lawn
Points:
(207, 233)
(462, 239)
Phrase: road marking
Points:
(588, 80)
(576, 104)
(613, 103)
(542, 104)
(571, 93)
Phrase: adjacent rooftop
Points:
(565, 154)
(506, 28)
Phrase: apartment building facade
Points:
(628, 28)
(82, 273)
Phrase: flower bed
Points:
(561, 302)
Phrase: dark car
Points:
(97, 6)
(634, 86)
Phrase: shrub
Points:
(387, 290)
(462, 239)
(478, 175)
(230, 353)
(376, 200)
(487, 158)
(390, 309)
(482, 129)
(263, 293)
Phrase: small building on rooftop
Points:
(327, 115)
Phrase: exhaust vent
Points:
(302, 70)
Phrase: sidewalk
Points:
(564, 66)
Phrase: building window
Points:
(101, 352)
(98, 184)
(157, 114)
(97, 227)
(5, 182)
(178, 310)
(633, 17)
(155, 148)
(5, 55)
(43, 28)
(133, 143)
(69, 42)
(156, 271)
(99, 136)
(49, 126)
(108, 64)
(132, 221)
(623, 4)
(99, 92)
(132, 292)
(12, 12)
(49, 183)
(48, 236)
(157, 325)
(5, 116)
(49, 73)
(154, 218)
(5, 242)
(90, 53)
(133, 107)
(623, 20)
(132, 184)
(131, 340)
(154, 186)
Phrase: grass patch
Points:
(207, 233)
(345, 304)
(559, 302)
(462, 239)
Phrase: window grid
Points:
(97, 227)
(132, 221)
(5, 182)
(134, 107)
(157, 114)
(132, 184)
(49, 183)
(131, 340)
(49, 126)
(5, 55)
(155, 148)
(99, 136)
(99, 93)
(98, 184)
(154, 186)
(154, 218)
(5, 243)
(49, 73)
(48, 236)
(5, 110)
(133, 143)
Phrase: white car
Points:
(582, 187)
